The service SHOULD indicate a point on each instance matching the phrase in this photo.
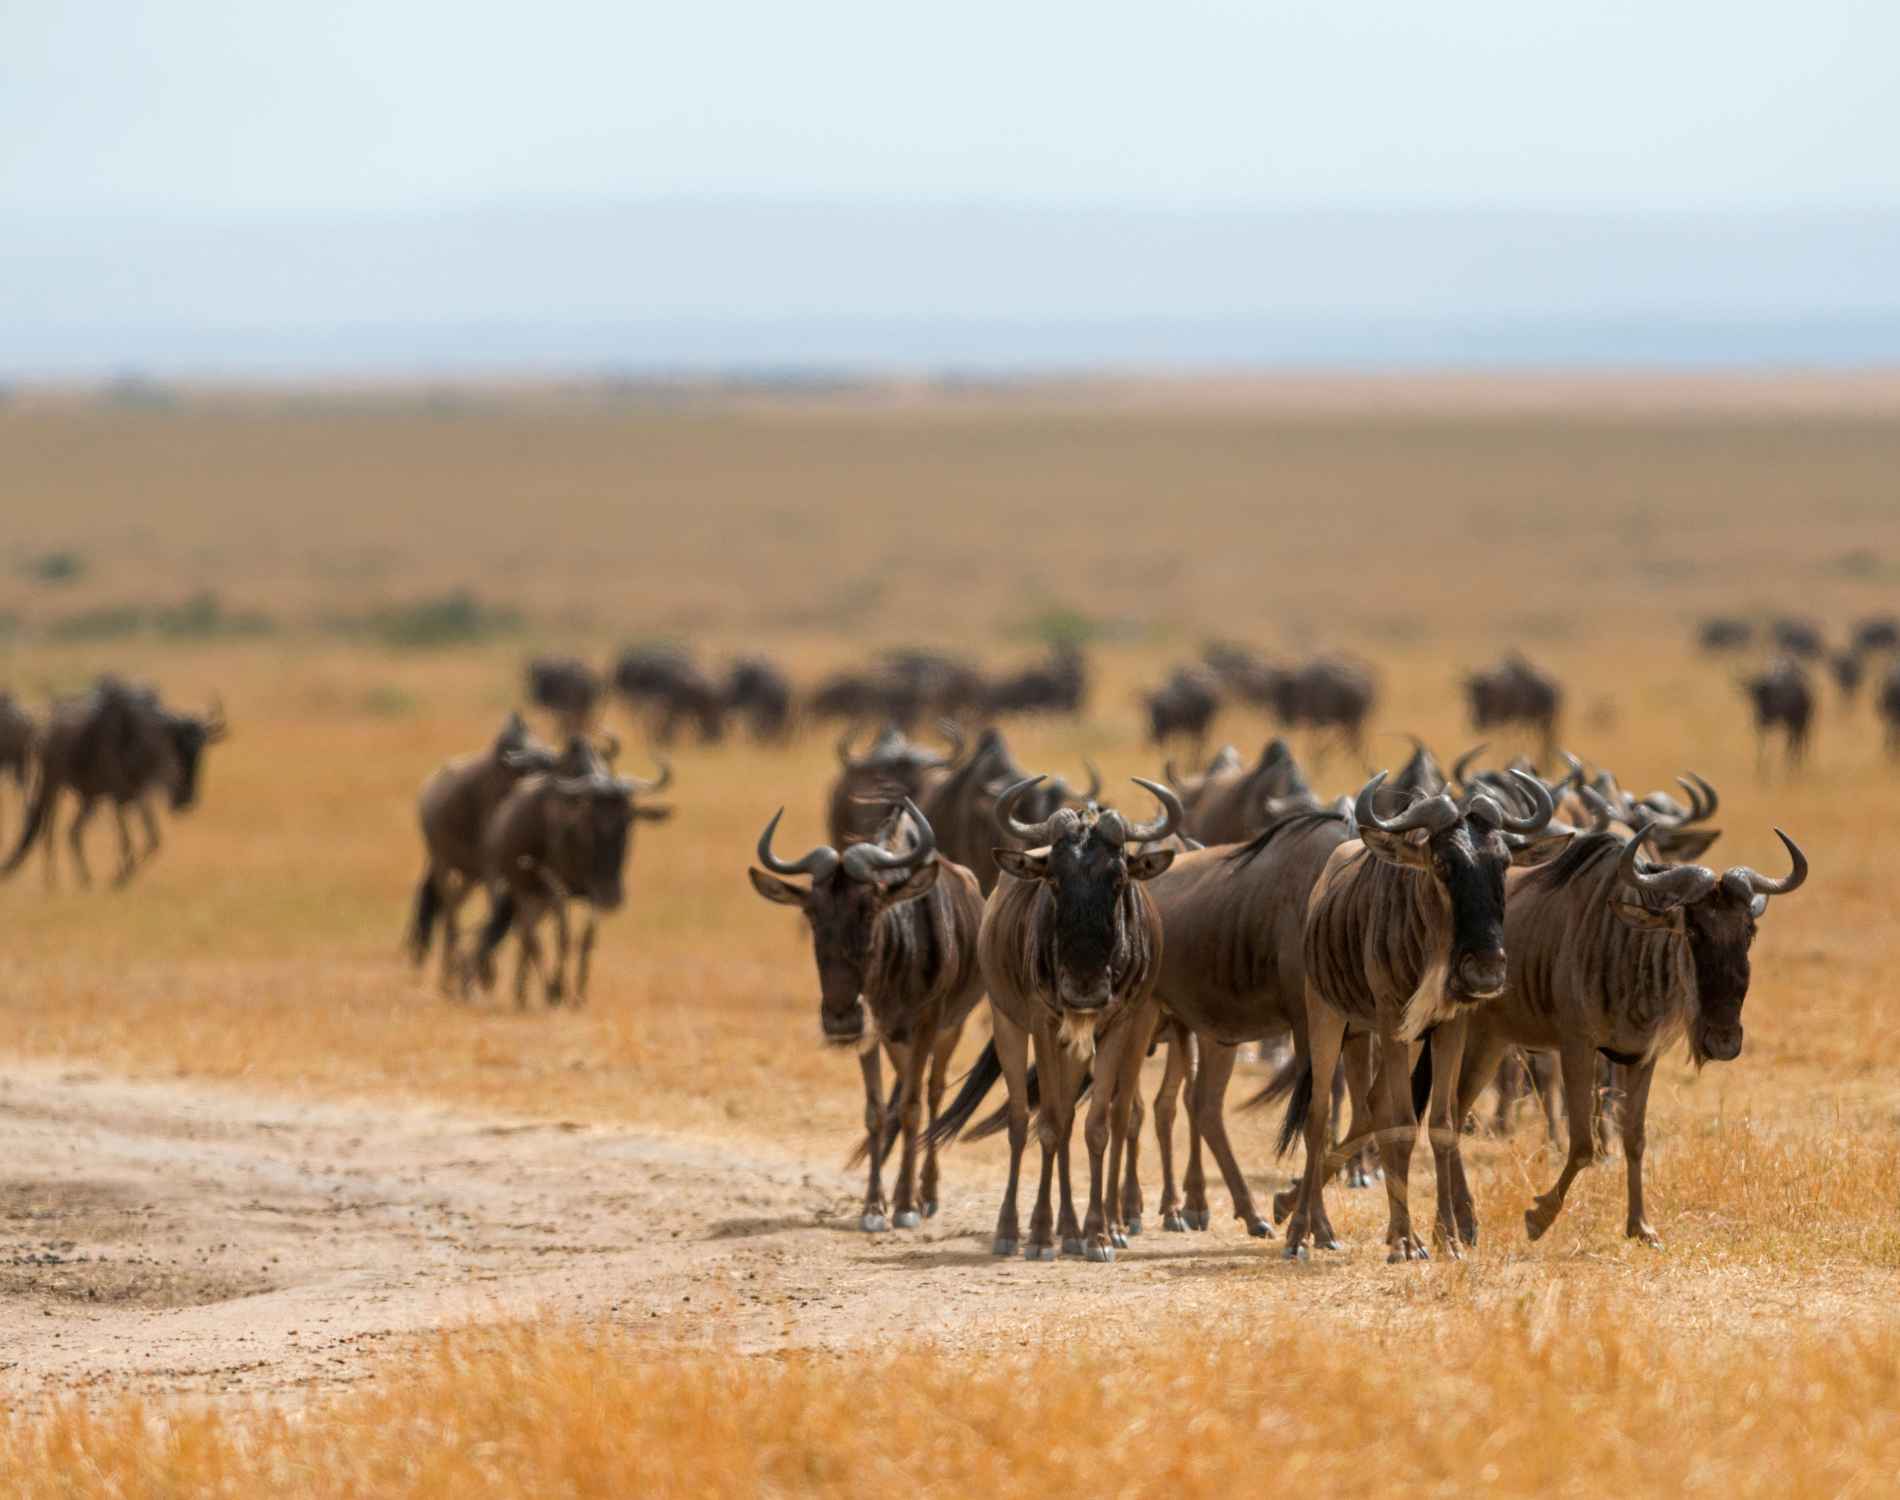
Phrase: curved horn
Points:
(607, 747)
(1662, 889)
(1462, 764)
(1762, 885)
(1436, 813)
(1542, 808)
(1702, 795)
(665, 779)
(1095, 780)
(1602, 814)
(1037, 834)
(863, 861)
(215, 726)
(817, 864)
(1172, 815)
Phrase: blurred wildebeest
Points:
(961, 806)
(1889, 706)
(1325, 693)
(1725, 633)
(1230, 803)
(1242, 671)
(894, 932)
(1515, 692)
(1070, 948)
(1610, 958)
(1877, 633)
(673, 690)
(1848, 670)
(1798, 638)
(567, 688)
(1183, 705)
(556, 838)
(892, 768)
(1058, 685)
(19, 739)
(1404, 938)
(1677, 831)
(453, 809)
(932, 683)
(760, 693)
(119, 744)
(1783, 700)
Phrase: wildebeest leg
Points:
(1042, 1243)
(47, 841)
(76, 839)
(1456, 1223)
(128, 862)
(585, 965)
(1194, 1210)
(555, 979)
(874, 1219)
(1397, 1124)
(1542, 1070)
(1513, 1084)
(1579, 1065)
(453, 979)
(151, 830)
(1636, 1079)
(1210, 1109)
(528, 949)
(1167, 1099)
(908, 1061)
(1065, 1080)
(1325, 1033)
(1124, 1130)
(1128, 1141)
(1606, 1106)
(940, 1053)
(1362, 1166)
(1128, 1034)
(1012, 1055)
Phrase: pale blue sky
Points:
(242, 108)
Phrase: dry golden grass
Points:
(262, 946)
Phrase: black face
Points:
(1468, 861)
(188, 740)
(1720, 928)
(609, 825)
(841, 912)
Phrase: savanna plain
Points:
(277, 1218)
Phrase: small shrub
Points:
(106, 623)
(56, 568)
(203, 616)
(453, 619)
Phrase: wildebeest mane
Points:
(1248, 852)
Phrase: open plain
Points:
(275, 1217)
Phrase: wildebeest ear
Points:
(1542, 847)
(774, 889)
(913, 885)
(1681, 846)
(1022, 864)
(1638, 915)
(652, 814)
(1396, 848)
(1149, 863)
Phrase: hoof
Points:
(1405, 1250)
(1198, 1218)
(1072, 1246)
(1173, 1224)
(908, 1219)
(1284, 1203)
(1040, 1252)
(1296, 1252)
(1133, 1226)
(930, 1209)
(1647, 1235)
(1260, 1229)
(1533, 1226)
(1100, 1253)
(1001, 1246)
(1118, 1239)
(874, 1224)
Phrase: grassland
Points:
(1423, 535)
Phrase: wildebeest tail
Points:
(422, 918)
(35, 825)
(888, 1130)
(1422, 1079)
(998, 1119)
(1294, 1083)
(501, 916)
(976, 1084)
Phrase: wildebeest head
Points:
(593, 816)
(1718, 916)
(1465, 846)
(848, 893)
(1085, 860)
(188, 735)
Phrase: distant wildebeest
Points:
(1070, 947)
(761, 694)
(1876, 633)
(19, 740)
(894, 932)
(1230, 803)
(1058, 685)
(1243, 672)
(1889, 706)
(931, 683)
(119, 744)
(1798, 638)
(673, 690)
(567, 688)
(1184, 705)
(1848, 670)
(454, 808)
(1725, 633)
(1677, 830)
(1610, 957)
(891, 768)
(1404, 937)
(559, 836)
(1783, 700)
(1326, 693)
(1515, 692)
(961, 805)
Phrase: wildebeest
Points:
(1677, 831)
(1848, 670)
(1326, 693)
(1070, 948)
(1058, 685)
(891, 768)
(1515, 692)
(901, 689)
(19, 740)
(1725, 633)
(119, 744)
(761, 694)
(1783, 700)
(894, 931)
(1184, 705)
(559, 836)
(1888, 705)
(1230, 802)
(674, 691)
(961, 805)
(453, 808)
(1404, 935)
(1876, 633)
(1611, 957)
(567, 688)
(1242, 671)
(1798, 638)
